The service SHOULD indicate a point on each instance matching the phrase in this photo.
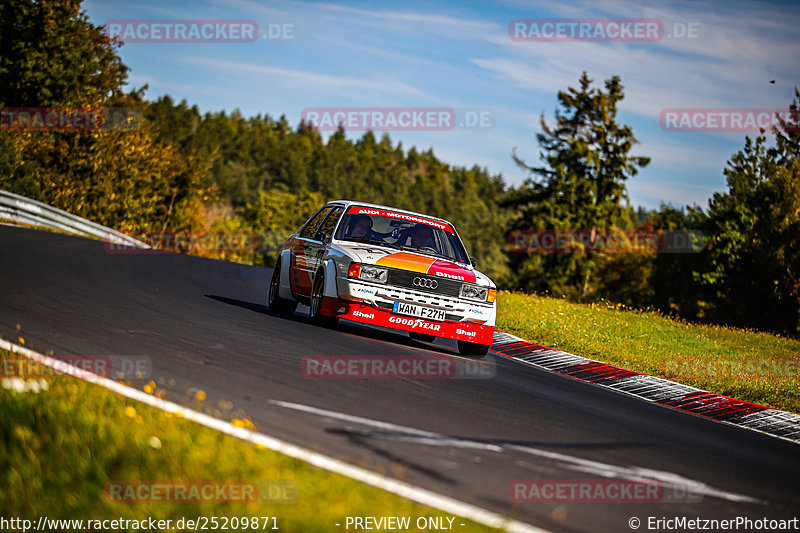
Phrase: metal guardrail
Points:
(20, 209)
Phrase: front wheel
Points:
(471, 349)
(317, 293)
(276, 303)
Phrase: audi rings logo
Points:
(425, 283)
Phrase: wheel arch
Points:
(284, 285)
(330, 289)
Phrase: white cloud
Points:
(410, 21)
(344, 85)
(461, 56)
(737, 52)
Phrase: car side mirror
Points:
(473, 263)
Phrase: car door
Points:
(317, 249)
(304, 247)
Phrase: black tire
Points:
(471, 349)
(317, 291)
(276, 303)
(422, 337)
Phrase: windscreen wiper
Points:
(405, 247)
(420, 250)
(366, 240)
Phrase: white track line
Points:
(401, 431)
(406, 490)
(597, 468)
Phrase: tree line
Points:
(181, 170)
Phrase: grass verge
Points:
(749, 365)
(63, 441)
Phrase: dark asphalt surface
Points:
(205, 324)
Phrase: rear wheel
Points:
(317, 293)
(276, 303)
(471, 349)
(421, 336)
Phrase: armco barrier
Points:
(19, 209)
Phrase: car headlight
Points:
(368, 273)
(474, 292)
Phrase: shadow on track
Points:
(343, 326)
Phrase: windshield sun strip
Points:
(403, 247)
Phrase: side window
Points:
(311, 226)
(454, 249)
(326, 229)
(344, 231)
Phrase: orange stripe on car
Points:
(406, 261)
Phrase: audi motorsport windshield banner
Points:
(358, 210)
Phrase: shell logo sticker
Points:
(446, 269)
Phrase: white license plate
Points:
(419, 311)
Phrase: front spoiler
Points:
(367, 314)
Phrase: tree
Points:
(51, 56)
(274, 217)
(258, 161)
(674, 290)
(752, 262)
(581, 186)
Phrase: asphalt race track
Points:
(205, 323)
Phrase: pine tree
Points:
(752, 265)
(581, 186)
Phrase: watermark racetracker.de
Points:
(604, 241)
(198, 30)
(119, 367)
(188, 242)
(773, 369)
(599, 491)
(751, 120)
(182, 31)
(395, 367)
(397, 118)
(69, 119)
(196, 492)
(634, 30)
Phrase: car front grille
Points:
(405, 279)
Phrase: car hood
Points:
(424, 264)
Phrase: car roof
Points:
(349, 203)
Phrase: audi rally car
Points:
(386, 267)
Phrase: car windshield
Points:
(404, 232)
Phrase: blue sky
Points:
(459, 55)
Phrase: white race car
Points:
(386, 267)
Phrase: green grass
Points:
(644, 341)
(59, 447)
